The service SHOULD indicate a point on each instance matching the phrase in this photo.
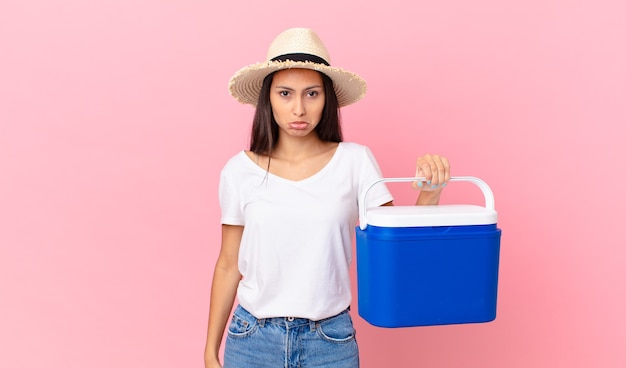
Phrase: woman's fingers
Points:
(436, 170)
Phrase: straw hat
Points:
(296, 48)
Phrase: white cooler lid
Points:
(440, 215)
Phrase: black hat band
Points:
(301, 57)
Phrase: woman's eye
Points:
(313, 93)
(284, 93)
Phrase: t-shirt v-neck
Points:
(320, 172)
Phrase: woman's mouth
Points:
(298, 125)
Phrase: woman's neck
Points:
(295, 148)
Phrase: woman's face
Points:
(297, 98)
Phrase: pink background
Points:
(115, 122)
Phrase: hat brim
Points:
(245, 85)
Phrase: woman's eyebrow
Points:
(305, 89)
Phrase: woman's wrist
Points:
(426, 198)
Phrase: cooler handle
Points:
(487, 193)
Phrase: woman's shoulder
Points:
(354, 147)
(358, 155)
(236, 161)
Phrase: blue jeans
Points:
(290, 342)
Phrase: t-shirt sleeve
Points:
(370, 172)
(230, 199)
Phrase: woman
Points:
(289, 209)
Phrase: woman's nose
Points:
(298, 108)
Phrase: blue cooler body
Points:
(428, 265)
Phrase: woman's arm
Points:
(226, 277)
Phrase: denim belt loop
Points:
(312, 325)
(261, 322)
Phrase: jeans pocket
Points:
(242, 325)
(338, 329)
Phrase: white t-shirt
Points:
(297, 240)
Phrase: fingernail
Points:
(435, 186)
(420, 184)
(443, 185)
(428, 182)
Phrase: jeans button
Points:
(290, 319)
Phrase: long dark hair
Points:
(265, 130)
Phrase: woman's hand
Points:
(436, 170)
(212, 364)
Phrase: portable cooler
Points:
(428, 265)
